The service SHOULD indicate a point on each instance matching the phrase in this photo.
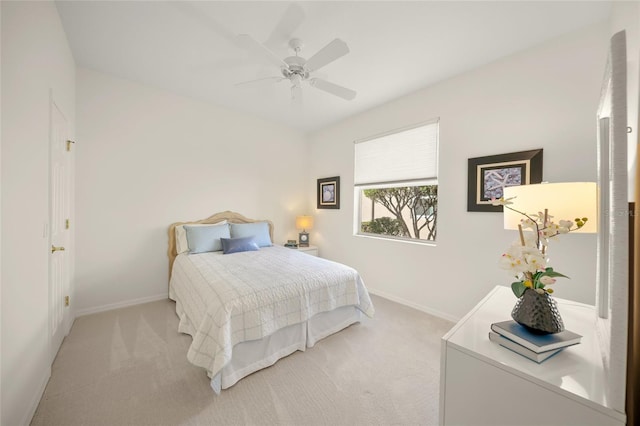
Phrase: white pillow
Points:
(182, 246)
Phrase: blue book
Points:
(538, 343)
(521, 350)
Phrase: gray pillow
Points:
(201, 239)
(237, 245)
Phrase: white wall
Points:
(35, 59)
(147, 158)
(545, 97)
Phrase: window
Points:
(396, 184)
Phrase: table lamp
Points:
(566, 200)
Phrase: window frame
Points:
(428, 181)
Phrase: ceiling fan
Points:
(297, 69)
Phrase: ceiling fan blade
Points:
(332, 88)
(258, 48)
(259, 80)
(288, 24)
(332, 51)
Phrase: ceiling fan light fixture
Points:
(295, 68)
(296, 79)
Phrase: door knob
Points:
(54, 248)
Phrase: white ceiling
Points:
(396, 47)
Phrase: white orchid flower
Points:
(520, 259)
(540, 217)
(535, 261)
(512, 264)
(502, 201)
(514, 259)
(551, 230)
(565, 226)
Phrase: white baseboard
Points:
(402, 301)
(132, 302)
(69, 324)
(123, 304)
(28, 416)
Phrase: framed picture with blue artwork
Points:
(329, 193)
(488, 176)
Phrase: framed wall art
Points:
(329, 193)
(488, 176)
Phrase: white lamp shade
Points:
(564, 201)
(304, 222)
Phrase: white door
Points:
(59, 216)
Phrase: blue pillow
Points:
(202, 239)
(259, 230)
(237, 245)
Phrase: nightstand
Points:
(312, 250)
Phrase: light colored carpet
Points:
(129, 367)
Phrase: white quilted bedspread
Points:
(223, 300)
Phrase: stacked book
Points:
(536, 347)
(291, 244)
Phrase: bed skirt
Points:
(249, 357)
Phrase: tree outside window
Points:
(405, 211)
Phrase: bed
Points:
(248, 309)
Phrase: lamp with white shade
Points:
(566, 200)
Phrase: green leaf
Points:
(553, 273)
(518, 288)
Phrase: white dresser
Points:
(482, 383)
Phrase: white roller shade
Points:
(402, 156)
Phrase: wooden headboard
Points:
(229, 216)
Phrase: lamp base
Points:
(303, 239)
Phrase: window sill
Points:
(398, 240)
